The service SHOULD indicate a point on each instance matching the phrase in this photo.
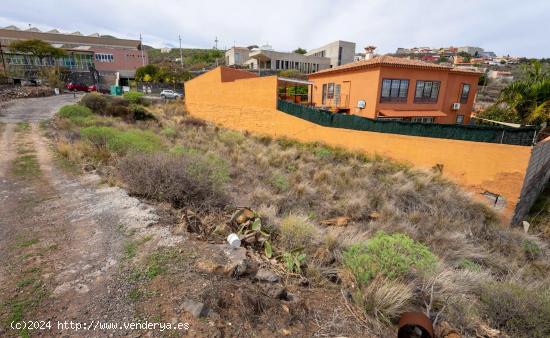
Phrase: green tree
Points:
(300, 50)
(529, 98)
(37, 48)
(150, 70)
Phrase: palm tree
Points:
(529, 98)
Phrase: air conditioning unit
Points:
(456, 106)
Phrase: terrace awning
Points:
(294, 81)
(411, 113)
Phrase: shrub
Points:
(296, 231)
(519, 311)
(182, 180)
(531, 249)
(73, 111)
(231, 138)
(99, 136)
(470, 265)
(138, 112)
(294, 261)
(134, 97)
(78, 115)
(169, 132)
(135, 140)
(390, 255)
(118, 108)
(122, 142)
(97, 102)
(280, 183)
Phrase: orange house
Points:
(388, 87)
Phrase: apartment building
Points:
(271, 60)
(265, 58)
(339, 52)
(111, 57)
(388, 87)
(236, 56)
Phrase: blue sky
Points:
(517, 28)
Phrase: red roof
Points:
(384, 60)
(388, 60)
(412, 113)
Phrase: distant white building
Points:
(165, 50)
(236, 56)
(474, 51)
(339, 52)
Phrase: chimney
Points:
(369, 52)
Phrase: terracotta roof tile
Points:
(384, 60)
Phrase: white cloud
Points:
(505, 26)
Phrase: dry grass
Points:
(295, 186)
(385, 299)
(297, 232)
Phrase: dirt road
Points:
(62, 237)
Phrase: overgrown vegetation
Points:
(397, 238)
(525, 101)
(392, 256)
(183, 179)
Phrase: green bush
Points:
(532, 249)
(390, 255)
(122, 142)
(135, 140)
(134, 97)
(519, 311)
(97, 102)
(99, 136)
(294, 261)
(169, 132)
(467, 264)
(280, 183)
(74, 110)
(77, 114)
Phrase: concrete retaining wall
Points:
(536, 178)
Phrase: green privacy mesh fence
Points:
(516, 136)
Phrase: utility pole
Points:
(141, 45)
(181, 53)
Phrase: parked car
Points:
(170, 94)
(80, 87)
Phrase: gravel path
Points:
(62, 237)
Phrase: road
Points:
(61, 236)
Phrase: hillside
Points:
(333, 242)
(192, 58)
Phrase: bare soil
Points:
(75, 249)
(61, 236)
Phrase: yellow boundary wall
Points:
(249, 105)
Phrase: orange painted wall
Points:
(366, 84)
(363, 86)
(238, 89)
(250, 104)
(477, 166)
